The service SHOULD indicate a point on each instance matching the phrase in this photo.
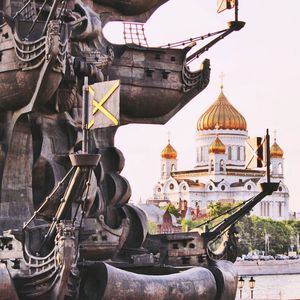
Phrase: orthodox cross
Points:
(217, 127)
(169, 136)
(222, 75)
(275, 135)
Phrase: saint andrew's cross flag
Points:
(104, 104)
(225, 4)
(256, 152)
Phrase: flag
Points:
(256, 152)
(104, 102)
(225, 4)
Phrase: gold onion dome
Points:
(217, 147)
(169, 152)
(276, 151)
(223, 114)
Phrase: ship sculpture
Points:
(67, 230)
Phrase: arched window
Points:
(163, 169)
(221, 165)
(229, 153)
(205, 153)
(173, 168)
(265, 209)
(238, 153)
(212, 165)
(280, 209)
(197, 209)
(280, 168)
(242, 149)
(234, 151)
(185, 205)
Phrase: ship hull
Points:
(155, 82)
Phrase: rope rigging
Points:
(191, 40)
(46, 11)
(222, 214)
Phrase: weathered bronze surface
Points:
(67, 230)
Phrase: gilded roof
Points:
(222, 114)
(217, 147)
(168, 152)
(276, 151)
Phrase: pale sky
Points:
(261, 64)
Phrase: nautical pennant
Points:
(225, 4)
(256, 152)
(104, 99)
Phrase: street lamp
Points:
(251, 286)
(241, 285)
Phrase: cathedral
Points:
(221, 172)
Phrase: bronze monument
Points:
(67, 230)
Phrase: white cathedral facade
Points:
(220, 173)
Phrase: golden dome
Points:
(276, 151)
(222, 114)
(169, 152)
(217, 147)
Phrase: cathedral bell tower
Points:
(276, 159)
(217, 157)
(168, 161)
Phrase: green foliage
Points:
(189, 224)
(254, 233)
(152, 227)
(173, 210)
(259, 233)
(266, 235)
(245, 229)
(218, 208)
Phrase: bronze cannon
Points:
(215, 282)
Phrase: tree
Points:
(218, 208)
(189, 224)
(253, 231)
(173, 210)
(256, 233)
(245, 231)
